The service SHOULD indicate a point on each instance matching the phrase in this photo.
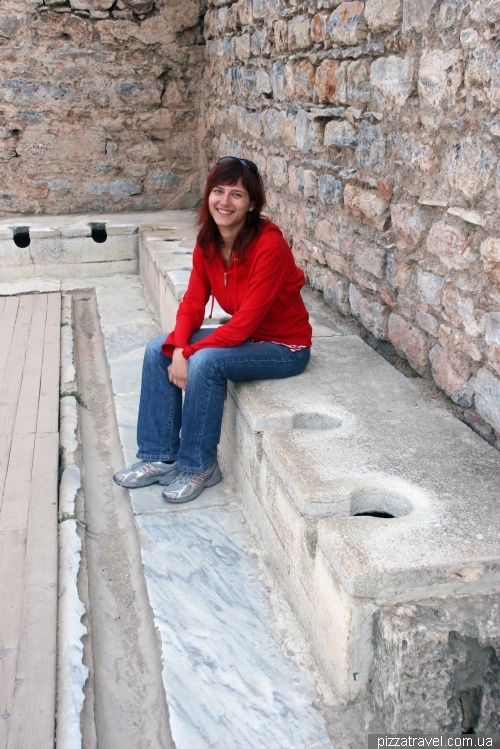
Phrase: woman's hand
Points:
(178, 370)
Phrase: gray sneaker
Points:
(147, 472)
(188, 486)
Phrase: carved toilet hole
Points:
(379, 504)
(21, 236)
(99, 233)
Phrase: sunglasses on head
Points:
(246, 162)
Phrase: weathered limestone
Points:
(99, 105)
(349, 436)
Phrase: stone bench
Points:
(368, 498)
(349, 437)
(165, 262)
(80, 246)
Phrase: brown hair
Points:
(229, 172)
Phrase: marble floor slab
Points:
(231, 679)
(228, 682)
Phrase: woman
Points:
(242, 260)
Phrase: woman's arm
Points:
(191, 312)
(270, 271)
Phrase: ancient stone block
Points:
(303, 79)
(409, 225)
(392, 79)
(361, 280)
(330, 190)
(266, 8)
(142, 151)
(253, 124)
(93, 4)
(470, 165)
(493, 356)
(281, 36)
(159, 178)
(398, 272)
(327, 232)
(295, 184)
(493, 328)
(488, 397)
(277, 170)
(286, 124)
(409, 341)
(248, 81)
(341, 134)
(310, 183)
(319, 30)
(370, 313)
(336, 294)
(479, 68)
(370, 151)
(327, 82)
(428, 322)
(416, 14)
(260, 43)
(277, 76)
(347, 24)
(368, 205)
(10, 26)
(439, 77)
(371, 259)
(262, 82)
(410, 151)
(244, 11)
(430, 286)
(242, 46)
(337, 264)
(461, 311)
(450, 245)
(308, 133)
(270, 122)
(455, 384)
(383, 15)
(490, 255)
(299, 32)
(358, 86)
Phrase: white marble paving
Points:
(229, 681)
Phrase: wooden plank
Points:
(48, 410)
(7, 324)
(9, 393)
(15, 507)
(33, 714)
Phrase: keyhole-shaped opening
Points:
(99, 233)
(21, 236)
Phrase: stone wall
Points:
(99, 105)
(376, 127)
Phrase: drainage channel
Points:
(126, 689)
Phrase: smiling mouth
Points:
(224, 213)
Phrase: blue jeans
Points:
(162, 414)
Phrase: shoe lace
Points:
(140, 463)
(197, 478)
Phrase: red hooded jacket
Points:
(262, 294)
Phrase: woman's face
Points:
(229, 205)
